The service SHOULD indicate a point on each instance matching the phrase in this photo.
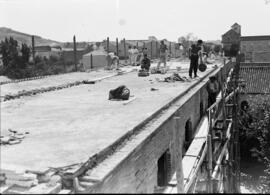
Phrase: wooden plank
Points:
(195, 147)
(193, 176)
(130, 100)
(188, 163)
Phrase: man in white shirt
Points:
(113, 60)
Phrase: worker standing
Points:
(134, 55)
(162, 54)
(195, 52)
(113, 61)
(130, 51)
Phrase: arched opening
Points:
(188, 134)
(164, 169)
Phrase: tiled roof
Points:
(256, 77)
(255, 38)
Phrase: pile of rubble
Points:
(27, 182)
(14, 137)
(26, 79)
(42, 90)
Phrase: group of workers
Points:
(196, 53)
(140, 58)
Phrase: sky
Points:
(95, 20)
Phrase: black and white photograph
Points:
(134, 96)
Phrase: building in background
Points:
(255, 48)
(99, 59)
(256, 79)
(231, 39)
(48, 51)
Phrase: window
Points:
(188, 133)
(164, 169)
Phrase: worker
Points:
(130, 51)
(212, 89)
(163, 54)
(134, 55)
(145, 63)
(194, 53)
(113, 61)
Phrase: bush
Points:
(255, 127)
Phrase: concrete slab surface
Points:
(55, 80)
(70, 125)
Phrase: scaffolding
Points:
(212, 162)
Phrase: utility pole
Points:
(117, 47)
(108, 45)
(33, 49)
(75, 52)
(156, 49)
(91, 61)
(125, 50)
(151, 49)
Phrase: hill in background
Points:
(25, 38)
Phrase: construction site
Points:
(63, 135)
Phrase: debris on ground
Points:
(175, 77)
(88, 82)
(120, 93)
(161, 70)
(14, 137)
(130, 100)
(23, 182)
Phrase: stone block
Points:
(45, 189)
(21, 177)
(22, 183)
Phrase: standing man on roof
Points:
(130, 51)
(195, 52)
(162, 54)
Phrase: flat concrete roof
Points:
(70, 125)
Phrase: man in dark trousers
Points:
(194, 54)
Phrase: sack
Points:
(202, 67)
(143, 73)
(120, 93)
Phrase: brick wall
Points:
(256, 51)
(138, 172)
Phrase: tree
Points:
(25, 50)
(152, 38)
(9, 52)
(255, 124)
(186, 41)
